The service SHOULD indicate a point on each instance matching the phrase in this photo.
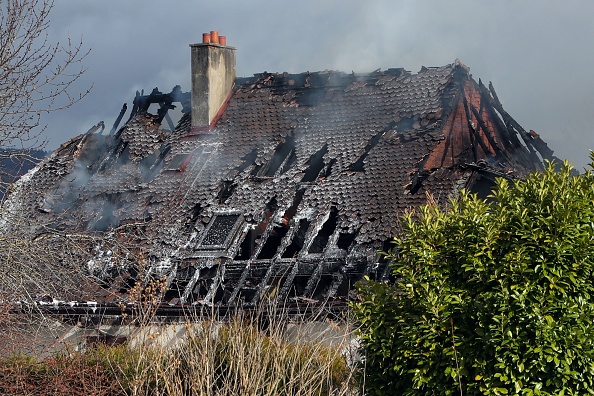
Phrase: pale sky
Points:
(538, 53)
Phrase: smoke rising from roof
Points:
(533, 51)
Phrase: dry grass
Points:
(235, 357)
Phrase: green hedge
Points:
(492, 297)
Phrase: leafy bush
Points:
(492, 297)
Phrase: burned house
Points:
(279, 185)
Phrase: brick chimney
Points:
(213, 76)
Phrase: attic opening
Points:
(315, 164)
(298, 239)
(282, 159)
(346, 239)
(227, 189)
(204, 282)
(248, 160)
(195, 213)
(418, 177)
(175, 291)
(121, 155)
(254, 233)
(321, 240)
(298, 286)
(246, 249)
(482, 186)
(273, 241)
(290, 212)
(359, 165)
(311, 97)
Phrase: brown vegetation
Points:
(214, 358)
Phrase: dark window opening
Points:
(290, 212)
(196, 212)
(298, 240)
(271, 208)
(345, 240)
(227, 189)
(311, 97)
(322, 286)
(275, 284)
(386, 247)
(344, 287)
(359, 165)
(273, 242)
(482, 186)
(175, 291)
(321, 240)
(246, 295)
(220, 295)
(284, 155)
(417, 180)
(298, 286)
(247, 245)
(286, 165)
(123, 156)
(129, 280)
(219, 232)
(315, 164)
(203, 284)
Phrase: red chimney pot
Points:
(223, 40)
(214, 36)
(205, 38)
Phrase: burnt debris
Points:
(293, 188)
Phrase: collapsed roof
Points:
(286, 190)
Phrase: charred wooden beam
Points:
(477, 137)
(511, 136)
(142, 102)
(483, 126)
(119, 119)
(510, 122)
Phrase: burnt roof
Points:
(295, 187)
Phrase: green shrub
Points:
(492, 297)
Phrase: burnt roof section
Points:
(295, 188)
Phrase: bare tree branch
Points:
(36, 74)
(37, 77)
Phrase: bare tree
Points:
(37, 77)
(36, 73)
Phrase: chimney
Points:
(213, 76)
